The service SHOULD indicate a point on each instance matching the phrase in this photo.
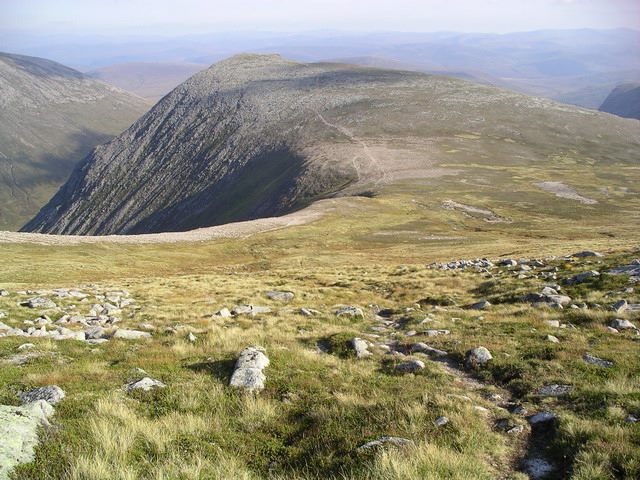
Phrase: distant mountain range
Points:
(624, 101)
(51, 116)
(573, 66)
(258, 135)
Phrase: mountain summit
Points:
(258, 135)
(51, 116)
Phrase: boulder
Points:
(19, 433)
(51, 394)
(620, 306)
(248, 373)
(477, 358)
(583, 277)
(554, 390)
(94, 333)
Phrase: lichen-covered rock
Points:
(248, 370)
(51, 394)
(19, 433)
(361, 347)
(352, 312)
(130, 334)
(410, 366)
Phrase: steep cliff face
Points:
(51, 116)
(257, 135)
(624, 101)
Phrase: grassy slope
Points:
(318, 408)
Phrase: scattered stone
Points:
(248, 370)
(620, 324)
(191, 338)
(620, 306)
(352, 312)
(19, 433)
(280, 296)
(435, 333)
(597, 361)
(583, 277)
(51, 394)
(549, 291)
(537, 298)
(94, 333)
(631, 419)
(309, 312)
(224, 313)
(361, 347)
(146, 384)
(542, 418)
(130, 334)
(424, 348)
(481, 305)
(587, 253)
(441, 421)
(612, 330)
(554, 390)
(410, 366)
(252, 310)
(26, 346)
(509, 262)
(39, 302)
(3, 293)
(394, 441)
(552, 323)
(477, 358)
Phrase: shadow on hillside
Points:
(220, 369)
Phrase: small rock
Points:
(620, 306)
(441, 421)
(51, 394)
(352, 312)
(424, 348)
(435, 333)
(361, 347)
(280, 296)
(542, 418)
(620, 324)
(554, 390)
(252, 310)
(587, 253)
(509, 262)
(3, 293)
(309, 312)
(26, 346)
(39, 302)
(130, 334)
(410, 366)
(597, 361)
(477, 358)
(94, 333)
(552, 323)
(552, 339)
(583, 277)
(146, 384)
(191, 338)
(394, 441)
(224, 313)
(481, 305)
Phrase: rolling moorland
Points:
(361, 336)
(51, 116)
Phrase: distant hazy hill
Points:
(50, 117)
(257, 135)
(146, 79)
(624, 101)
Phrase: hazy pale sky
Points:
(163, 16)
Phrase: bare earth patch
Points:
(475, 212)
(561, 190)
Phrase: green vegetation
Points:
(318, 408)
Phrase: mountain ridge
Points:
(258, 135)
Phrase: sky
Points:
(165, 17)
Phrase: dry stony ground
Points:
(321, 403)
